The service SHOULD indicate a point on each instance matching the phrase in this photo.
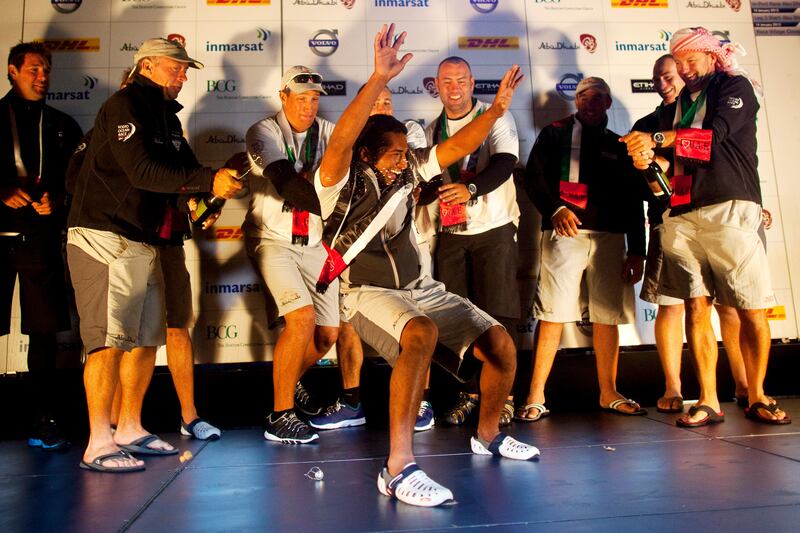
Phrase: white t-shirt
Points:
(265, 216)
(498, 207)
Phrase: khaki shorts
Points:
(652, 271)
(119, 290)
(177, 286)
(599, 257)
(380, 315)
(716, 251)
(291, 273)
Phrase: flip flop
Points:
(613, 407)
(671, 400)
(520, 413)
(140, 446)
(712, 417)
(752, 413)
(97, 463)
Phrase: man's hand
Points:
(454, 193)
(565, 223)
(226, 183)
(14, 197)
(240, 163)
(505, 93)
(632, 269)
(640, 147)
(43, 206)
(386, 48)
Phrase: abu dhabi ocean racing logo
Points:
(430, 85)
(177, 38)
(589, 42)
(568, 84)
(324, 42)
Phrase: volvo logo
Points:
(324, 42)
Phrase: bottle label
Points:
(681, 190)
(574, 193)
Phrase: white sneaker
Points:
(200, 430)
(505, 446)
(414, 487)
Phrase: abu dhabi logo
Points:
(484, 6)
(404, 89)
(662, 45)
(324, 42)
(262, 36)
(89, 84)
(66, 6)
(568, 84)
(334, 88)
(643, 86)
(430, 85)
(589, 42)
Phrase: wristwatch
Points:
(473, 190)
(658, 138)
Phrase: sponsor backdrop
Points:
(246, 44)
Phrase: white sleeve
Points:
(329, 195)
(426, 164)
(264, 145)
(503, 138)
(416, 135)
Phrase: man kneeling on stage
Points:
(368, 207)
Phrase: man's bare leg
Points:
(350, 354)
(669, 343)
(729, 326)
(289, 357)
(180, 360)
(703, 345)
(417, 343)
(548, 339)
(605, 338)
(755, 343)
(495, 349)
(100, 376)
(135, 373)
(322, 341)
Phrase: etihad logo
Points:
(76, 44)
(262, 36)
(231, 288)
(484, 6)
(335, 88)
(662, 45)
(324, 42)
(430, 85)
(89, 83)
(401, 3)
(486, 86)
(488, 43)
(238, 2)
(568, 84)
(639, 3)
(643, 86)
(66, 6)
(226, 233)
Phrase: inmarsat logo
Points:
(662, 45)
(568, 84)
(262, 36)
(484, 6)
(430, 85)
(89, 83)
(66, 6)
(324, 42)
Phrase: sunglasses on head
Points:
(307, 78)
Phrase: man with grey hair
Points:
(580, 180)
(137, 154)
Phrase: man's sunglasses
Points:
(307, 78)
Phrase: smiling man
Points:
(36, 142)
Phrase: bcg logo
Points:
(220, 86)
(222, 332)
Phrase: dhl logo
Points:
(639, 3)
(227, 233)
(79, 44)
(491, 43)
(238, 2)
(776, 313)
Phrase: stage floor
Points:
(597, 472)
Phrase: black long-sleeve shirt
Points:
(614, 201)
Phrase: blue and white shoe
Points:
(424, 420)
(200, 429)
(339, 415)
(504, 446)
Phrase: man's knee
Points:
(698, 309)
(420, 335)
(325, 337)
(496, 348)
(752, 319)
(302, 319)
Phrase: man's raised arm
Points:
(337, 158)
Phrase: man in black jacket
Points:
(580, 181)
(136, 155)
(36, 141)
(711, 244)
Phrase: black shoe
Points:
(463, 410)
(289, 429)
(304, 403)
(47, 436)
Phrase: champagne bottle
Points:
(206, 206)
(657, 181)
